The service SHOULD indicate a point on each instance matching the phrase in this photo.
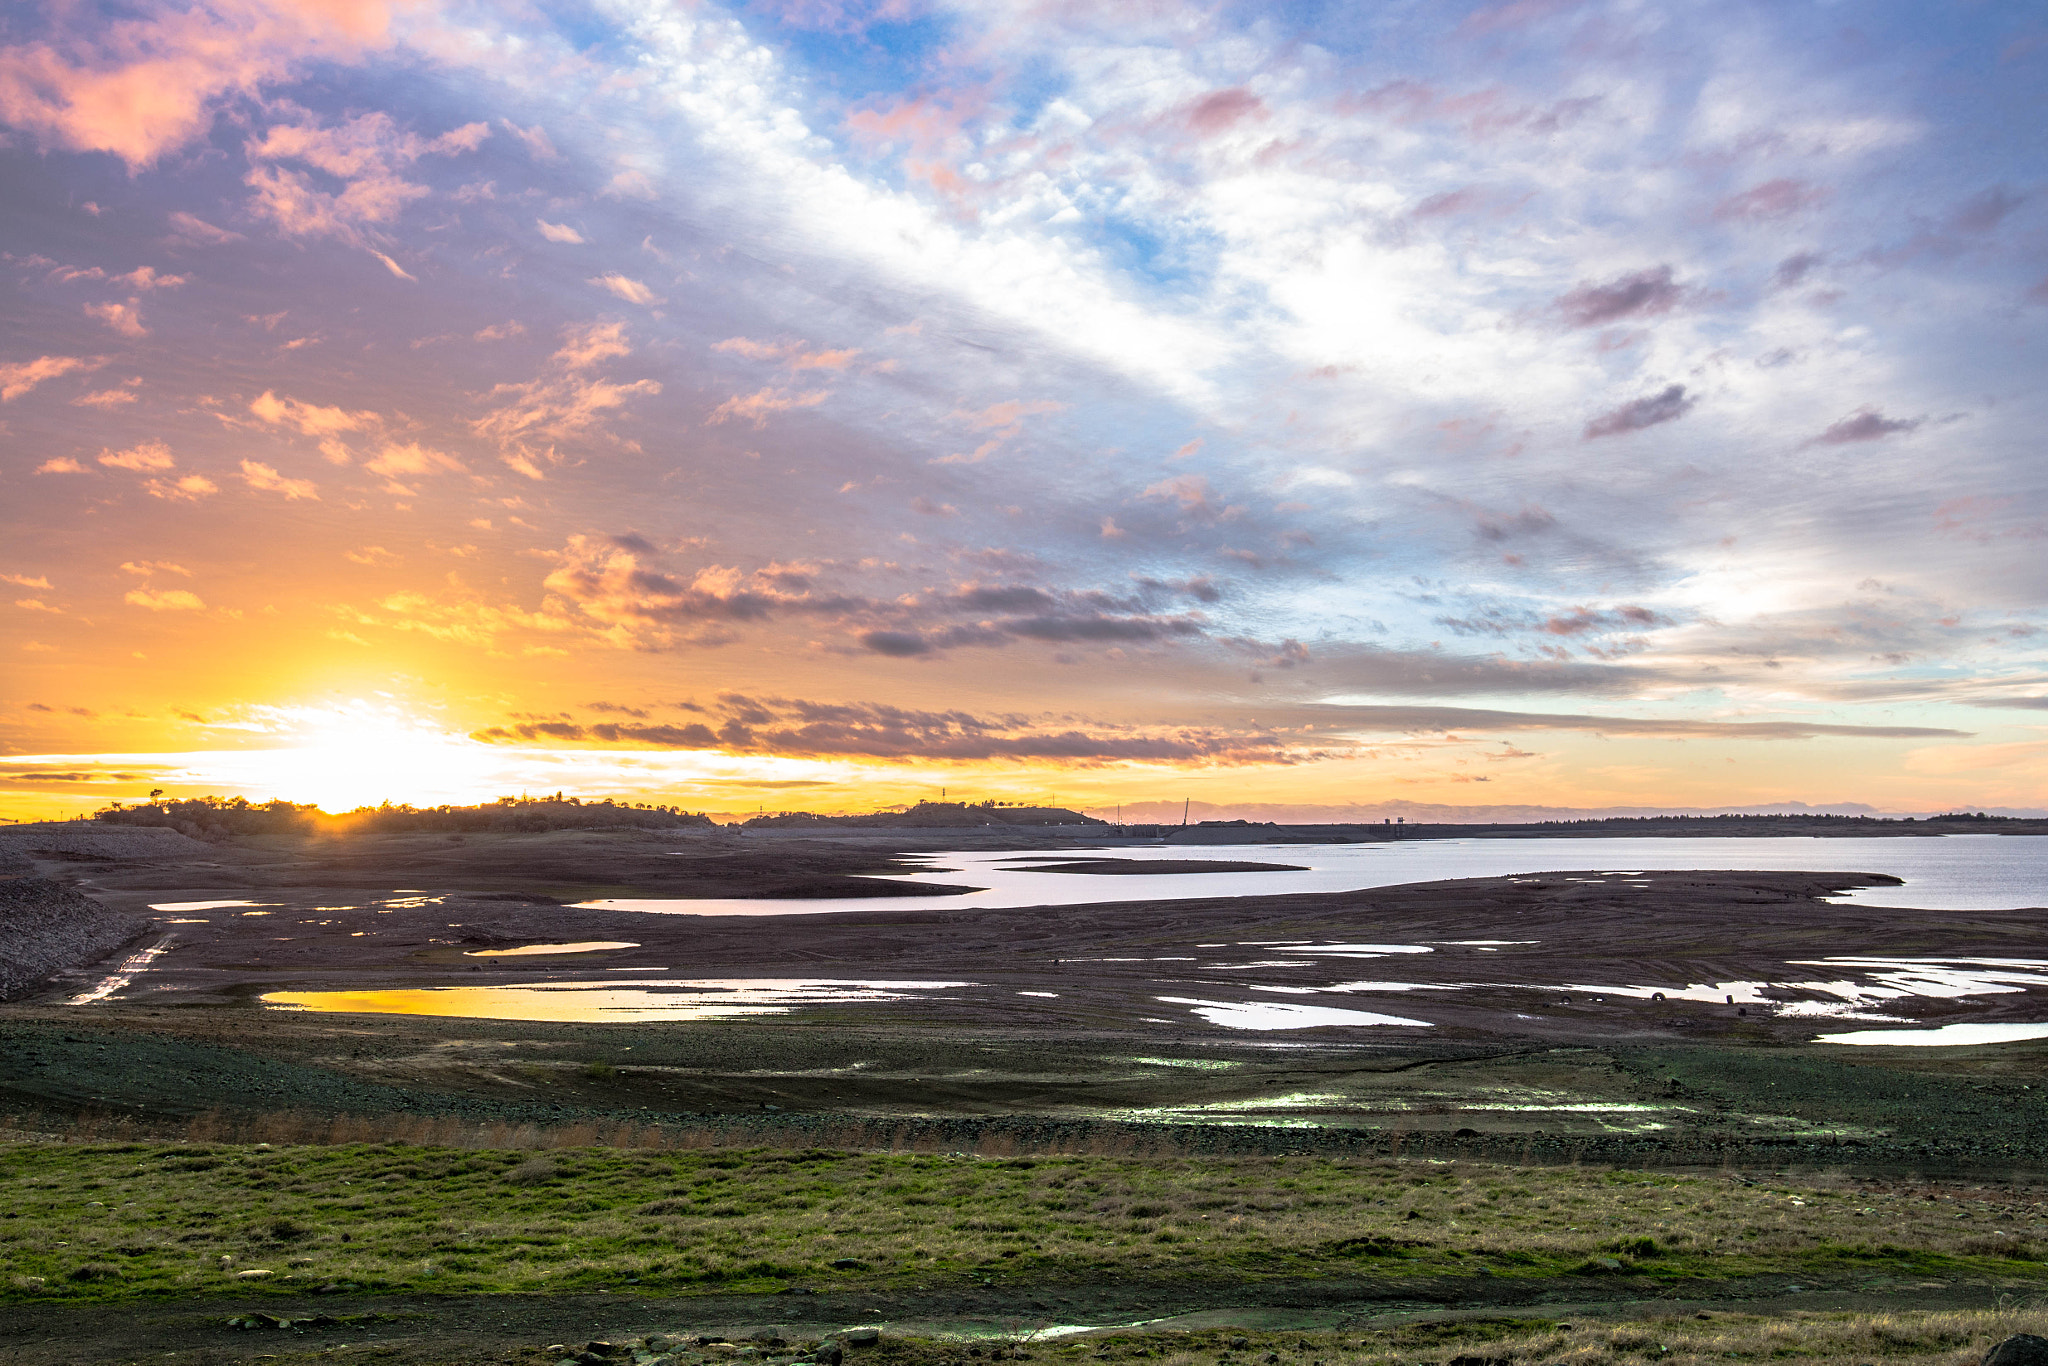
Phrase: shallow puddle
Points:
(1275, 1015)
(206, 905)
(131, 967)
(540, 950)
(1947, 1036)
(614, 1002)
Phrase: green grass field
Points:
(124, 1220)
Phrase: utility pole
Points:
(1184, 813)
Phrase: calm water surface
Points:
(1943, 873)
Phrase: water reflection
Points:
(616, 1002)
(1274, 1015)
(537, 950)
(1947, 1036)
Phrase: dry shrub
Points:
(532, 1172)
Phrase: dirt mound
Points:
(46, 927)
(91, 840)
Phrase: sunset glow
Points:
(817, 405)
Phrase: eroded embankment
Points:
(46, 927)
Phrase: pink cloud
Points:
(1771, 200)
(140, 87)
(1221, 110)
(792, 355)
(18, 378)
(123, 318)
(756, 407)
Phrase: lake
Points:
(1940, 873)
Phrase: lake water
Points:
(1941, 873)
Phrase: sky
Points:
(820, 404)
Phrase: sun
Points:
(363, 753)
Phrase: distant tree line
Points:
(928, 816)
(218, 817)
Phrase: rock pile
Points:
(46, 927)
(675, 1349)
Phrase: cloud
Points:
(60, 464)
(1774, 199)
(145, 568)
(756, 407)
(563, 402)
(1436, 718)
(149, 455)
(413, 458)
(147, 83)
(802, 728)
(559, 232)
(1667, 405)
(26, 581)
(167, 600)
(1219, 111)
(535, 140)
(261, 476)
(1642, 294)
(123, 318)
(189, 488)
(19, 377)
(1985, 210)
(632, 291)
(105, 398)
(308, 418)
(1865, 424)
(198, 230)
(292, 165)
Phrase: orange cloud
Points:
(104, 398)
(413, 458)
(309, 418)
(261, 476)
(150, 455)
(170, 600)
(189, 489)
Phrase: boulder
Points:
(2021, 1349)
(860, 1337)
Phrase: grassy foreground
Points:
(123, 1220)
